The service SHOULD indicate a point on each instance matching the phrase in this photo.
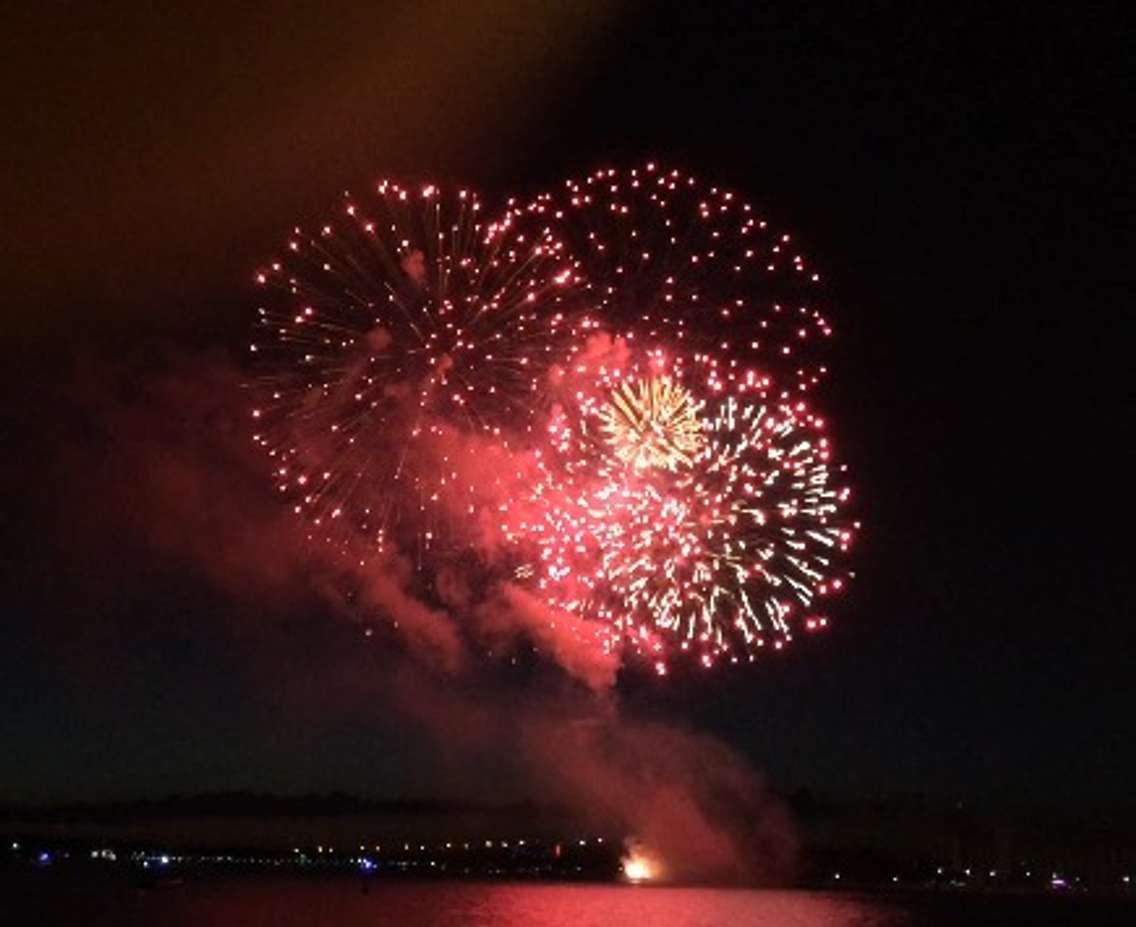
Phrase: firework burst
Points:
(664, 257)
(652, 423)
(391, 339)
(724, 550)
(603, 395)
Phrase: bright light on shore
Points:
(639, 865)
(637, 870)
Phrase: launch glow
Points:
(636, 869)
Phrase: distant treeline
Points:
(240, 804)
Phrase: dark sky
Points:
(959, 176)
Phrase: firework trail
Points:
(602, 397)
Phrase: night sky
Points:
(959, 178)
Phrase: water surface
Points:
(283, 902)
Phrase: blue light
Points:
(367, 865)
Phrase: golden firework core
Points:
(653, 423)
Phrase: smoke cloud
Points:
(159, 472)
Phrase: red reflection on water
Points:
(348, 902)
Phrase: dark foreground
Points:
(340, 902)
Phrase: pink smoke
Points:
(168, 470)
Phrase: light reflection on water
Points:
(344, 903)
(585, 906)
(341, 902)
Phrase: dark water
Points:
(343, 903)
